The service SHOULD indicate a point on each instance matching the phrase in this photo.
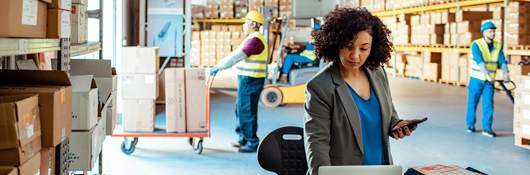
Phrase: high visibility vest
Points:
(309, 54)
(490, 60)
(255, 65)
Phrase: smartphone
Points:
(413, 124)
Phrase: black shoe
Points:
(237, 144)
(471, 129)
(247, 149)
(489, 133)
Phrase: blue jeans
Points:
(248, 93)
(290, 59)
(476, 89)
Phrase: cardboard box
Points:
(23, 18)
(196, 100)
(6, 170)
(448, 17)
(55, 99)
(79, 23)
(46, 157)
(84, 102)
(468, 26)
(58, 23)
(140, 60)
(138, 115)
(472, 16)
(104, 74)
(61, 4)
(60, 162)
(20, 125)
(175, 100)
(135, 83)
(31, 167)
(83, 153)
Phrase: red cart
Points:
(195, 139)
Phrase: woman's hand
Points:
(403, 128)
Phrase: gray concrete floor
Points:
(442, 139)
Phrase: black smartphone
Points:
(413, 124)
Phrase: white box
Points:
(139, 86)
(140, 60)
(175, 99)
(138, 115)
(84, 102)
(79, 24)
(196, 100)
(100, 135)
(83, 153)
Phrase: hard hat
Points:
(487, 25)
(255, 16)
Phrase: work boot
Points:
(489, 133)
(283, 78)
(247, 149)
(471, 129)
(237, 144)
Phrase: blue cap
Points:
(487, 25)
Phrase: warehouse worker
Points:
(306, 56)
(487, 57)
(251, 57)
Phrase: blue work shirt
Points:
(371, 126)
(477, 55)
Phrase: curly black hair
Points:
(342, 25)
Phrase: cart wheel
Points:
(128, 147)
(199, 147)
(135, 141)
(271, 97)
(190, 141)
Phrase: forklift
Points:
(276, 93)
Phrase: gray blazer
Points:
(332, 127)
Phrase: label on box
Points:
(149, 79)
(29, 130)
(29, 12)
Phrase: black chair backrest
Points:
(282, 151)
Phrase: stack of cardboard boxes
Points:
(414, 67)
(35, 18)
(240, 8)
(51, 101)
(186, 100)
(463, 69)
(212, 9)
(450, 69)
(468, 25)
(139, 75)
(432, 66)
(226, 10)
(497, 19)
(195, 51)
(79, 21)
(20, 142)
(521, 119)
(209, 47)
(517, 23)
(285, 7)
(273, 4)
(255, 5)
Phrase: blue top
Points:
(477, 56)
(371, 126)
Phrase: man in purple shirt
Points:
(251, 58)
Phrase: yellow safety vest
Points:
(490, 60)
(255, 65)
(309, 54)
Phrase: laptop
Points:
(360, 170)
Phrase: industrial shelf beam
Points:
(10, 47)
(436, 7)
(224, 21)
(83, 49)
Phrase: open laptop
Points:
(360, 170)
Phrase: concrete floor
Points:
(442, 139)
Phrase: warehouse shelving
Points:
(83, 49)
(436, 7)
(223, 21)
(415, 48)
(10, 47)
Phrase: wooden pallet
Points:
(450, 82)
(201, 66)
(522, 141)
(430, 80)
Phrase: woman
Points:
(349, 109)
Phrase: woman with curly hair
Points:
(349, 110)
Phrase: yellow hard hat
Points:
(255, 16)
